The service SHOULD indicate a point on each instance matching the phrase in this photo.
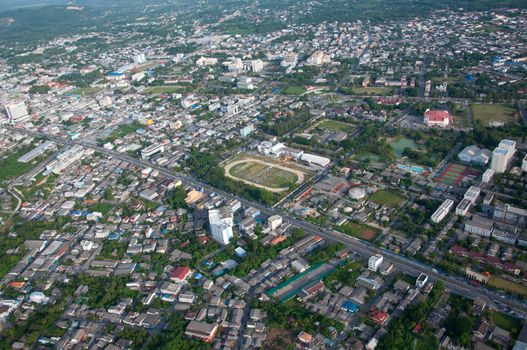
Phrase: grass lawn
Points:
(506, 322)
(294, 90)
(497, 112)
(86, 91)
(361, 231)
(388, 198)
(334, 125)
(263, 174)
(156, 90)
(11, 168)
(508, 285)
(374, 90)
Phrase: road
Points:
(456, 284)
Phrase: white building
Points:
(17, 112)
(253, 66)
(524, 163)
(139, 58)
(442, 211)
(206, 61)
(152, 149)
(318, 58)
(474, 154)
(273, 222)
(290, 59)
(221, 223)
(374, 262)
(469, 199)
(502, 155)
(487, 175)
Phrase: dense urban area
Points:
(236, 175)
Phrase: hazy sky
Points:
(12, 4)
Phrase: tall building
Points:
(375, 261)
(17, 112)
(221, 223)
(502, 155)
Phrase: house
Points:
(180, 274)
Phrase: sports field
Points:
(361, 231)
(494, 112)
(260, 173)
(454, 174)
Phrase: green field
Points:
(86, 91)
(501, 283)
(11, 168)
(157, 90)
(497, 112)
(334, 125)
(387, 198)
(506, 322)
(375, 90)
(264, 175)
(361, 231)
(294, 90)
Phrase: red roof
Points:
(379, 317)
(438, 116)
(180, 273)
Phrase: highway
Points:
(458, 285)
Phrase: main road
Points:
(457, 285)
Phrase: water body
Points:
(400, 143)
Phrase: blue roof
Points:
(350, 306)
(114, 74)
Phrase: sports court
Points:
(454, 174)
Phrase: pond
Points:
(400, 143)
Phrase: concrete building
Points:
(374, 262)
(474, 154)
(480, 226)
(152, 149)
(273, 222)
(221, 223)
(442, 211)
(17, 112)
(524, 163)
(437, 118)
(502, 155)
(487, 175)
(247, 130)
(201, 330)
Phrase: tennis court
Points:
(454, 174)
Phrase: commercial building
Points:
(374, 262)
(152, 149)
(502, 155)
(442, 211)
(17, 112)
(221, 223)
(201, 330)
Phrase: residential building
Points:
(201, 330)
(221, 223)
(502, 155)
(442, 211)
(374, 262)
